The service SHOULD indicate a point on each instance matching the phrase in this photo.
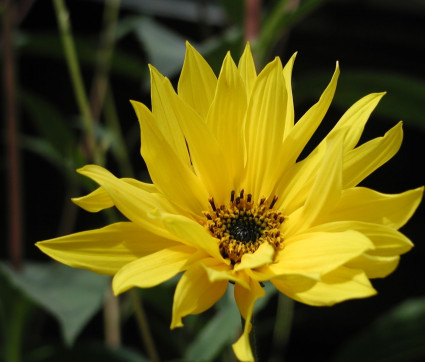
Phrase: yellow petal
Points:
(265, 127)
(325, 191)
(205, 151)
(245, 299)
(263, 255)
(133, 202)
(197, 81)
(287, 75)
(152, 269)
(226, 118)
(387, 241)
(363, 204)
(319, 252)
(338, 286)
(104, 250)
(194, 294)
(191, 233)
(217, 271)
(363, 160)
(247, 70)
(300, 134)
(290, 285)
(99, 199)
(375, 266)
(168, 172)
(165, 118)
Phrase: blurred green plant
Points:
(75, 297)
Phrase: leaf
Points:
(218, 333)
(398, 335)
(73, 296)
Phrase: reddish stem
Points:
(252, 19)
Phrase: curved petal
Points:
(99, 199)
(191, 233)
(319, 252)
(290, 285)
(287, 75)
(197, 81)
(194, 294)
(262, 256)
(301, 133)
(205, 152)
(152, 269)
(265, 127)
(247, 70)
(363, 204)
(325, 191)
(168, 172)
(375, 266)
(363, 160)
(165, 118)
(245, 299)
(133, 202)
(226, 118)
(104, 250)
(337, 286)
(387, 241)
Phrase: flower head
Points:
(231, 200)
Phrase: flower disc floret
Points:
(242, 226)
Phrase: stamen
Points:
(211, 201)
(241, 193)
(273, 202)
(249, 198)
(232, 196)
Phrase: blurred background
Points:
(49, 312)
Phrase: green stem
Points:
(144, 326)
(282, 328)
(76, 79)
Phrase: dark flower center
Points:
(242, 226)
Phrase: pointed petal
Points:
(301, 133)
(191, 233)
(319, 252)
(197, 82)
(262, 256)
(104, 250)
(133, 202)
(247, 70)
(325, 192)
(265, 129)
(226, 117)
(168, 172)
(338, 286)
(245, 299)
(363, 204)
(152, 269)
(165, 118)
(99, 199)
(287, 75)
(205, 151)
(194, 294)
(387, 241)
(363, 160)
(375, 266)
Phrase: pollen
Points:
(242, 225)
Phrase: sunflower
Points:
(231, 199)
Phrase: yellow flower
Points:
(231, 200)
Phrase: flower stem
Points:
(64, 25)
(282, 328)
(144, 326)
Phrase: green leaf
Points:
(403, 101)
(167, 58)
(398, 335)
(218, 333)
(87, 352)
(73, 296)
